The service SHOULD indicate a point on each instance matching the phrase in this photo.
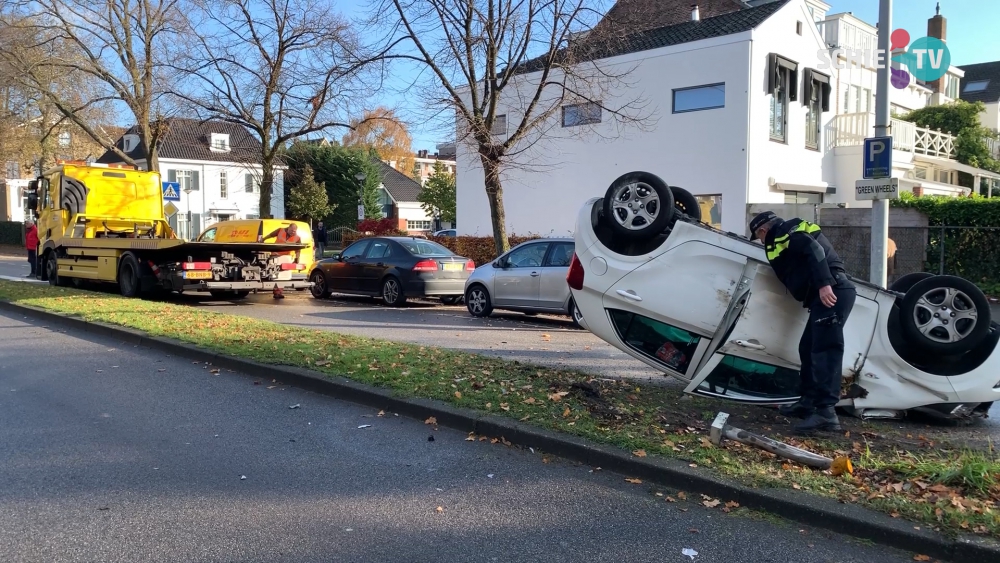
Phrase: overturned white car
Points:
(704, 306)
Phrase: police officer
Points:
(808, 266)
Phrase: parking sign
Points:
(878, 157)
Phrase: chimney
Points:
(937, 27)
(695, 14)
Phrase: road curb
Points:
(797, 506)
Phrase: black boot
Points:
(796, 410)
(821, 420)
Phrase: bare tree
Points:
(121, 46)
(281, 68)
(505, 68)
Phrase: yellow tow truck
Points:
(106, 223)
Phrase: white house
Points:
(747, 113)
(982, 84)
(216, 165)
(398, 197)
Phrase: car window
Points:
(377, 249)
(673, 347)
(356, 250)
(560, 255)
(425, 248)
(529, 256)
(740, 378)
(208, 236)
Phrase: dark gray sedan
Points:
(393, 268)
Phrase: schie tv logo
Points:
(927, 59)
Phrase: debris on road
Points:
(295, 406)
(721, 429)
(689, 552)
(243, 477)
(364, 426)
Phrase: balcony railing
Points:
(840, 34)
(851, 129)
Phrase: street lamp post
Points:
(187, 196)
(360, 177)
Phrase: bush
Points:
(11, 233)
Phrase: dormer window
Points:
(220, 142)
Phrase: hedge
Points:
(11, 233)
(481, 250)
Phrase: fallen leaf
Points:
(471, 437)
(639, 453)
(322, 362)
(921, 558)
(381, 413)
(458, 394)
(634, 481)
(529, 401)
(566, 412)
(841, 465)
(682, 495)
(431, 420)
(439, 509)
(671, 499)
(706, 443)
(545, 460)
(711, 503)
(505, 406)
(796, 486)
(894, 514)
(556, 397)
(732, 504)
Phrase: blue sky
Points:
(972, 37)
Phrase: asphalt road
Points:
(513, 336)
(115, 453)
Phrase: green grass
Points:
(946, 488)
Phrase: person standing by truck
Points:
(806, 263)
(287, 235)
(319, 239)
(31, 244)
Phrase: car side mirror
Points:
(33, 202)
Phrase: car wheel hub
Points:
(635, 206)
(477, 301)
(391, 291)
(945, 315)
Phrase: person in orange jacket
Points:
(287, 235)
(31, 244)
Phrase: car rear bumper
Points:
(435, 288)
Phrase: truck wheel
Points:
(52, 270)
(945, 315)
(392, 292)
(638, 206)
(128, 276)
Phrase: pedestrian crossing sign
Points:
(171, 191)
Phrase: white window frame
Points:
(186, 179)
(499, 125)
(586, 113)
(250, 183)
(418, 225)
(223, 184)
(219, 142)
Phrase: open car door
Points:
(757, 359)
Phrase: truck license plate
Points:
(207, 275)
(453, 267)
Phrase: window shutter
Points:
(807, 87)
(248, 179)
(195, 225)
(195, 185)
(171, 175)
(772, 73)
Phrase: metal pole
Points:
(941, 266)
(880, 207)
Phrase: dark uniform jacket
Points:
(803, 258)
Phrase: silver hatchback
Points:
(530, 278)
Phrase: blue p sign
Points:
(878, 157)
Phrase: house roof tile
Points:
(978, 72)
(400, 186)
(190, 139)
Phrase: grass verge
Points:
(935, 484)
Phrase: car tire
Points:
(451, 300)
(632, 191)
(686, 203)
(478, 302)
(574, 314)
(52, 270)
(903, 284)
(392, 292)
(319, 288)
(129, 281)
(931, 315)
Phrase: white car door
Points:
(756, 359)
(667, 311)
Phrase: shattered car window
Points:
(671, 346)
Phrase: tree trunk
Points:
(266, 187)
(494, 193)
(153, 159)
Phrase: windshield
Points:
(425, 248)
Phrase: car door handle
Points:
(629, 295)
(534, 274)
(750, 345)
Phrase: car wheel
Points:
(451, 300)
(903, 284)
(575, 314)
(477, 301)
(392, 292)
(319, 289)
(686, 203)
(638, 205)
(945, 315)
(128, 276)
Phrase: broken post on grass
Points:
(722, 429)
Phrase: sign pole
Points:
(880, 207)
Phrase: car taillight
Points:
(470, 266)
(574, 277)
(425, 266)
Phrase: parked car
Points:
(704, 306)
(446, 233)
(393, 268)
(530, 278)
